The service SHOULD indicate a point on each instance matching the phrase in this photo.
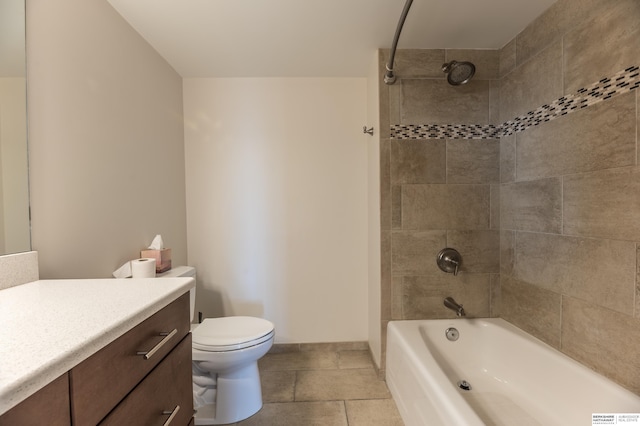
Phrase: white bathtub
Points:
(515, 378)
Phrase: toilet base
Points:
(238, 396)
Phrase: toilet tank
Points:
(184, 271)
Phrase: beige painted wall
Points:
(106, 141)
(277, 202)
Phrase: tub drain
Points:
(464, 385)
(452, 334)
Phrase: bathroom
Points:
(310, 261)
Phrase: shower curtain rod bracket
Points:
(389, 76)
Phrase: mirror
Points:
(14, 173)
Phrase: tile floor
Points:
(323, 385)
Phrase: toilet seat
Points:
(231, 333)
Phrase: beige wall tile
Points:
(480, 250)
(386, 284)
(598, 271)
(414, 252)
(603, 45)
(553, 23)
(445, 206)
(599, 137)
(385, 184)
(494, 296)
(424, 295)
(532, 205)
(637, 293)
(396, 301)
(494, 102)
(396, 207)
(602, 339)
(532, 84)
(383, 94)
(419, 63)
(508, 158)
(507, 58)
(383, 349)
(531, 308)
(418, 161)
(395, 92)
(473, 161)
(603, 204)
(485, 61)
(507, 252)
(437, 102)
(494, 212)
(385, 273)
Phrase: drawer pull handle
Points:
(172, 415)
(156, 348)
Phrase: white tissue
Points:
(124, 271)
(157, 243)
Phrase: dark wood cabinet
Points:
(50, 406)
(165, 393)
(101, 381)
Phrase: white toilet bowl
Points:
(225, 351)
(226, 378)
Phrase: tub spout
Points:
(454, 306)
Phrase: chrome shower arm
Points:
(389, 77)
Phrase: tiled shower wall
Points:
(438, 193)
(547, 220)
(570, 193)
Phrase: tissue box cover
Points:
(162, 257)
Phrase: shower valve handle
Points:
(449, 260)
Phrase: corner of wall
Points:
(373, 151)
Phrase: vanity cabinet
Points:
(50, 403)
(141, 378)
(157, 350)
(166, 393)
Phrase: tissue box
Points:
(162, 257)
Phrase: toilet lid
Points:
(231, 333)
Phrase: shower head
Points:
(458, 72)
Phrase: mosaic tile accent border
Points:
(622, 82)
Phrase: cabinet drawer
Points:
(167, 389)
(50, 406)
(101, 381)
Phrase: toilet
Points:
(225, 353)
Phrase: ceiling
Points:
(314, 38)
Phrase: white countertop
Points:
(49, 326)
